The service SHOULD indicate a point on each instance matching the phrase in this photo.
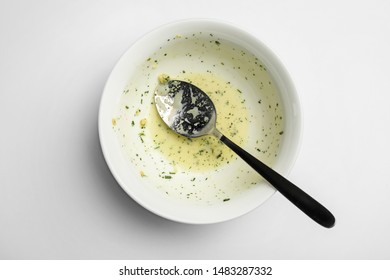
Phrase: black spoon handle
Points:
(302, 200)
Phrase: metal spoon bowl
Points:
(189, 111)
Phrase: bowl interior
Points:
(252, 87)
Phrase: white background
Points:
(58, 200)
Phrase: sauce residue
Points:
(207, 152)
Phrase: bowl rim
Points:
(272, 59)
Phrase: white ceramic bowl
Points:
(195, 46)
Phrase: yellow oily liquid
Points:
(207, 152)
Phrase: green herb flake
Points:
(226, 199)
(140, 136)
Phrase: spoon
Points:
(188, 111)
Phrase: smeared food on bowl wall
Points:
(249, 112)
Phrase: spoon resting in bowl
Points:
(189, 111)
